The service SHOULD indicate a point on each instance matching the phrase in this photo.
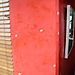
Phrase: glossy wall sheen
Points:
(35, 36)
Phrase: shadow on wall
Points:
(67, 66)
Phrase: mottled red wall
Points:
(35, 36)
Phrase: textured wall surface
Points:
(35, 36)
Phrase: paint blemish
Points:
(34, 26)
(54, 66)
(41, 30)
(32, 4)
(58, 33)
(58, 13)
(16, 35)
(46, 8)
(19, 74)
(46, 60)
